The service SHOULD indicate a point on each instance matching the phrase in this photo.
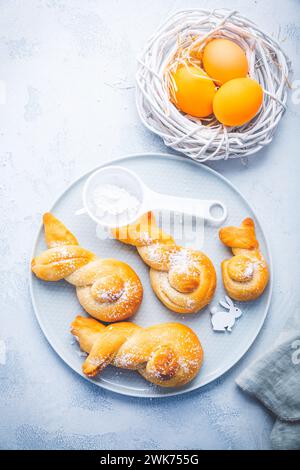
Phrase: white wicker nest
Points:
(207, 139)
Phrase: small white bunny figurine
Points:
(221, 320)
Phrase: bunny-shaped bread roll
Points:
(183, 279)
(107, 289)
(169, 354)
(245, 275)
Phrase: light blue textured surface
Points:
(68, 68)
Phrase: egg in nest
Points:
(224, 60)
(192, 90)
(237, 101)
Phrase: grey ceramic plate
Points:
(56, 304)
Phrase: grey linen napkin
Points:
(274, 379)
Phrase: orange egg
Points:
(237, 101)
(224, 60)
(194, 91)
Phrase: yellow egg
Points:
(224, 60)
(237, 101)
(194, 91)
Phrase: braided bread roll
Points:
(107, 289)
(169, 354)
(246, 274)
(183, 279)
